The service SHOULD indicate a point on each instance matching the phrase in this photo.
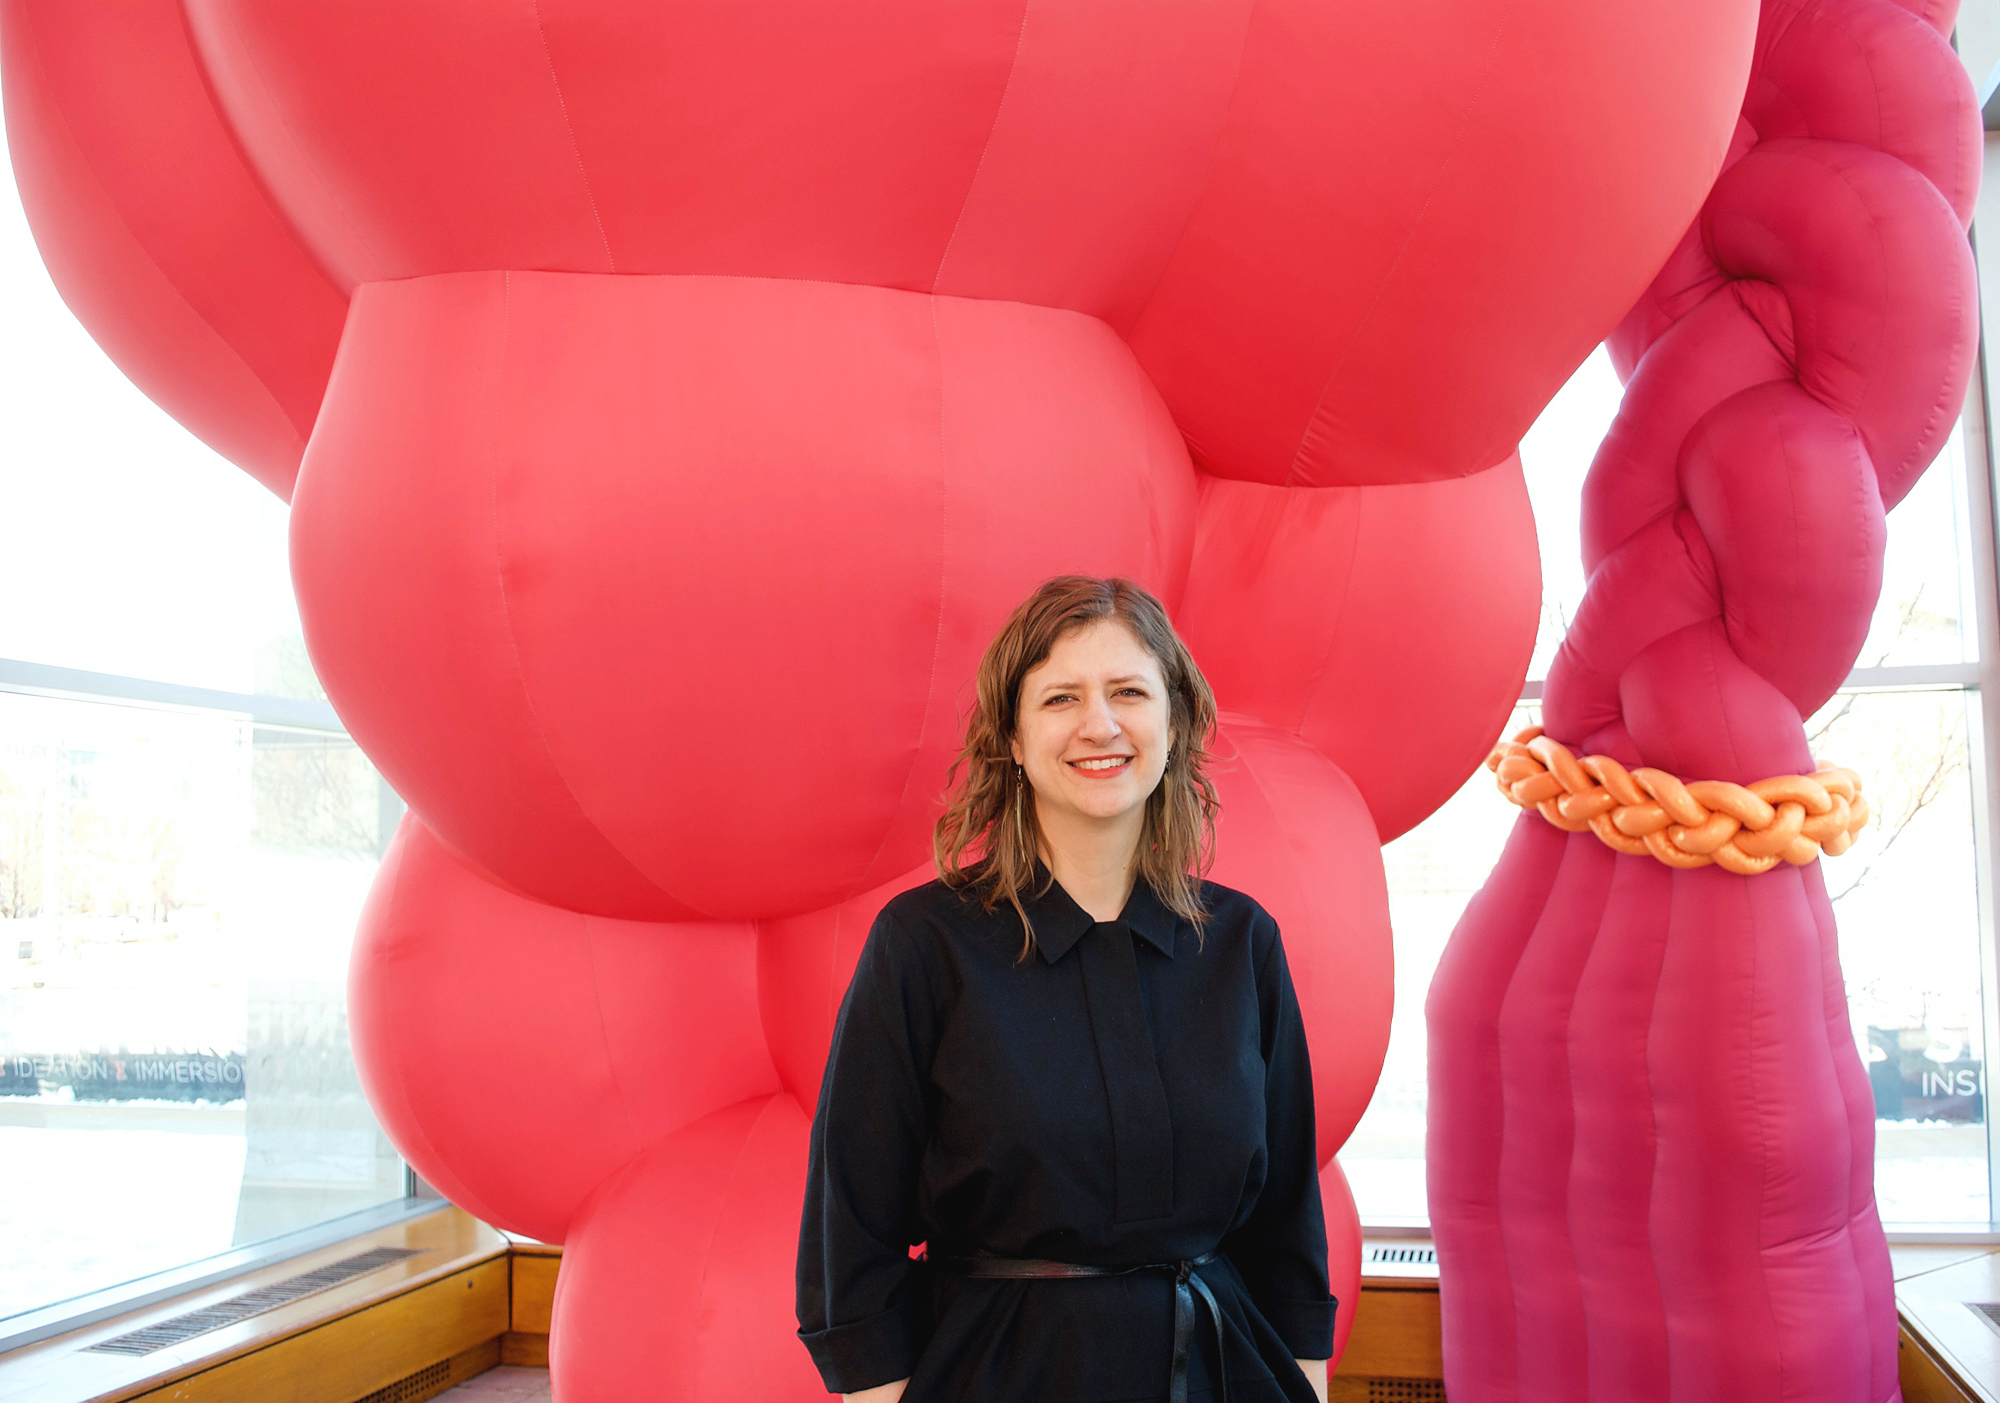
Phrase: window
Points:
(1907, 896)
(180, 871)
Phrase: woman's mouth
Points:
(1100, 766)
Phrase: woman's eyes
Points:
(1060, 697)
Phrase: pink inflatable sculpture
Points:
(674, 396)
(1622, 1212)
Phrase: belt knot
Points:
(1187, 1286)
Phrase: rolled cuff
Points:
(1306, 1327)
(867, 1353)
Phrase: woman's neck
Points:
(1096, 863)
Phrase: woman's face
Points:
(1093, 728)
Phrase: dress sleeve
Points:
(863, 1304)
(1281, 1248)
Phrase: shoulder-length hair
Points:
(988, 839)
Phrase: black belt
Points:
(1187, 1285)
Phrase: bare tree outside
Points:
(21, 846)
(1928, 767)
(313, 794)
(1925, 762)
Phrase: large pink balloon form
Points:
(1651, 1137)
(674, 396)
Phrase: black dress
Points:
(1126, 1096)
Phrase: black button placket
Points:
(1142, 1136)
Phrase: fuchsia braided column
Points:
(1651, 1152)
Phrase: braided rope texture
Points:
(1745, 829)
(1651, 1137)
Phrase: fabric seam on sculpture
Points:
(1853, 414)
(569, 127)
(1340, 614)
(728, 1185)
(604, 1034)
(1799, 546)
(836, 987)
(344, 280)
(125, 224)
(1201, 187)
(1758, 1108)
(863, 882)
(507, 620)
(972, 185)
(1712, 634)
(1940, 406)
(1402, 249)
(401, 1075)
(1250, 773)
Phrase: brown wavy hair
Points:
(987, 841)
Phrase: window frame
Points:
(1975, 680)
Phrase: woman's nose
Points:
(1099, 721)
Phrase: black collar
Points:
(1059, 922)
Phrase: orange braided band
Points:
(1793, 818)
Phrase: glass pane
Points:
(1924, 582)
(132, 547)
(1977, 39)
(1433, 871)
(178, 893)
(1906, 900)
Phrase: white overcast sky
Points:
(126, 545)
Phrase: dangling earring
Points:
(1020, 815)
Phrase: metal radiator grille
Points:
(1405, 1391)
(425, 1383)
(237, 1308)
(1425, 1256)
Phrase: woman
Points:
(1073, 1070)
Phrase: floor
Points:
(503, 1385)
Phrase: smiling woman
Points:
(1088, 746)
(1129, 1115)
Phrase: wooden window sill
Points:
(473, 1298)
(450, 1299)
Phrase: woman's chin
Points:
(1106, 806)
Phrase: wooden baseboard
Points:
(430, 1382)
(524, 1351)
(472, 1300)
(1393, 1352)
(533, 1306)
(533, 1302)
(1396, 1335)
(1924, 1380)
(440, 1333)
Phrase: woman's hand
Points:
(889, 1393)
(1313, 1369)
